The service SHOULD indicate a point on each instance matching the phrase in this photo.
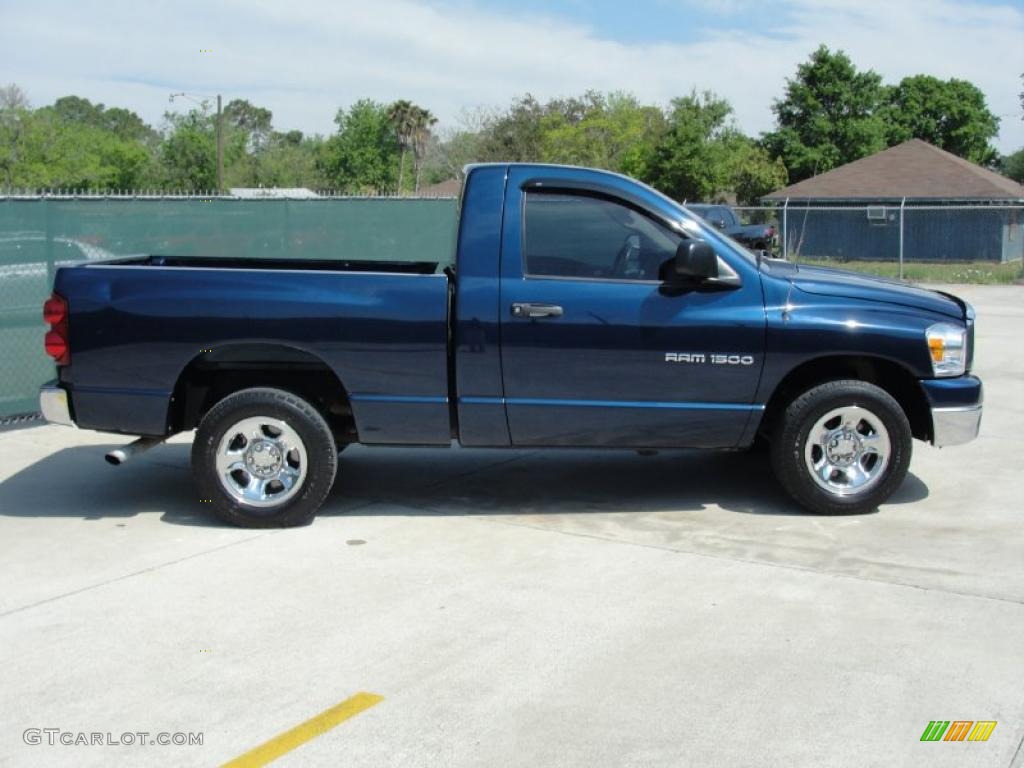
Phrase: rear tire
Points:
(264, 458)
(842, 447)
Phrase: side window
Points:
(587, 236)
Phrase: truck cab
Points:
(594, 322)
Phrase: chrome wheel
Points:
(847, 450)
(261, 461)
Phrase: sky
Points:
(304, 59)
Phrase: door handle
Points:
(525, 309)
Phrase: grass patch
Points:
(976, 272)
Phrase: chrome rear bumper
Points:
(955, 426)
(53, 402)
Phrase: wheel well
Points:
(212, 376)
(890, 376)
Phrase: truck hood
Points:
(851, 285)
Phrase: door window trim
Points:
(579, 190)
(731, 277)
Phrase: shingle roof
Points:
(914, 169)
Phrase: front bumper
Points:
(53, 402)
(955, 426)
(956, 406)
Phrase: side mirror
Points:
(695, 260)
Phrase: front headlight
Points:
(947, 347)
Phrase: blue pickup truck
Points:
(583, 309)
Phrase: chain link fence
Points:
(976, 236)
(42, 232)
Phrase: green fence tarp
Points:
(39, 235)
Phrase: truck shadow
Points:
(571, 481)
(76, 482)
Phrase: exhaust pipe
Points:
(119, 456)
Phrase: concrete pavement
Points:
(523, 608)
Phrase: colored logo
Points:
(958, 730)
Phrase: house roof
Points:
(914, 169)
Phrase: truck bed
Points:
(139, 323)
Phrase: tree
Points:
(402, 115)
(1013, 166)
(14, 111)
(514, 135)
(828, 116)
(693, 159)
(52, 153)
(247, 131)
(753, 173)
(950, 114)
(123, 123)
(450, 154)
(361, 156)
(290, 160)
(71, 145)
(612, 131)
(633, 132)
(13, 98)
(412, 125)
(75, 109)
(188, 153)
(255, 123)
(423, 122)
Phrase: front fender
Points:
(802, 327)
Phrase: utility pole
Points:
(220, 151)
(903, 205)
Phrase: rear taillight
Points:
(55, 309)
(55, 312)
(771, 231)
(56, 347)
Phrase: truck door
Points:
(596, 349)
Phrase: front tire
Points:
(842, 447)
(264, 458)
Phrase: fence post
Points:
(50, 267)
(903, 204)
(785, 229)
(288, 228)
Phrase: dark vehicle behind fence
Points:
(583, 309)
(757, 237)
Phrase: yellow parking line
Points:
(303, 732)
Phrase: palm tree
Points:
(402, 115)
(423, 122)
(412, 126)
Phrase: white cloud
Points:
(306, 58)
